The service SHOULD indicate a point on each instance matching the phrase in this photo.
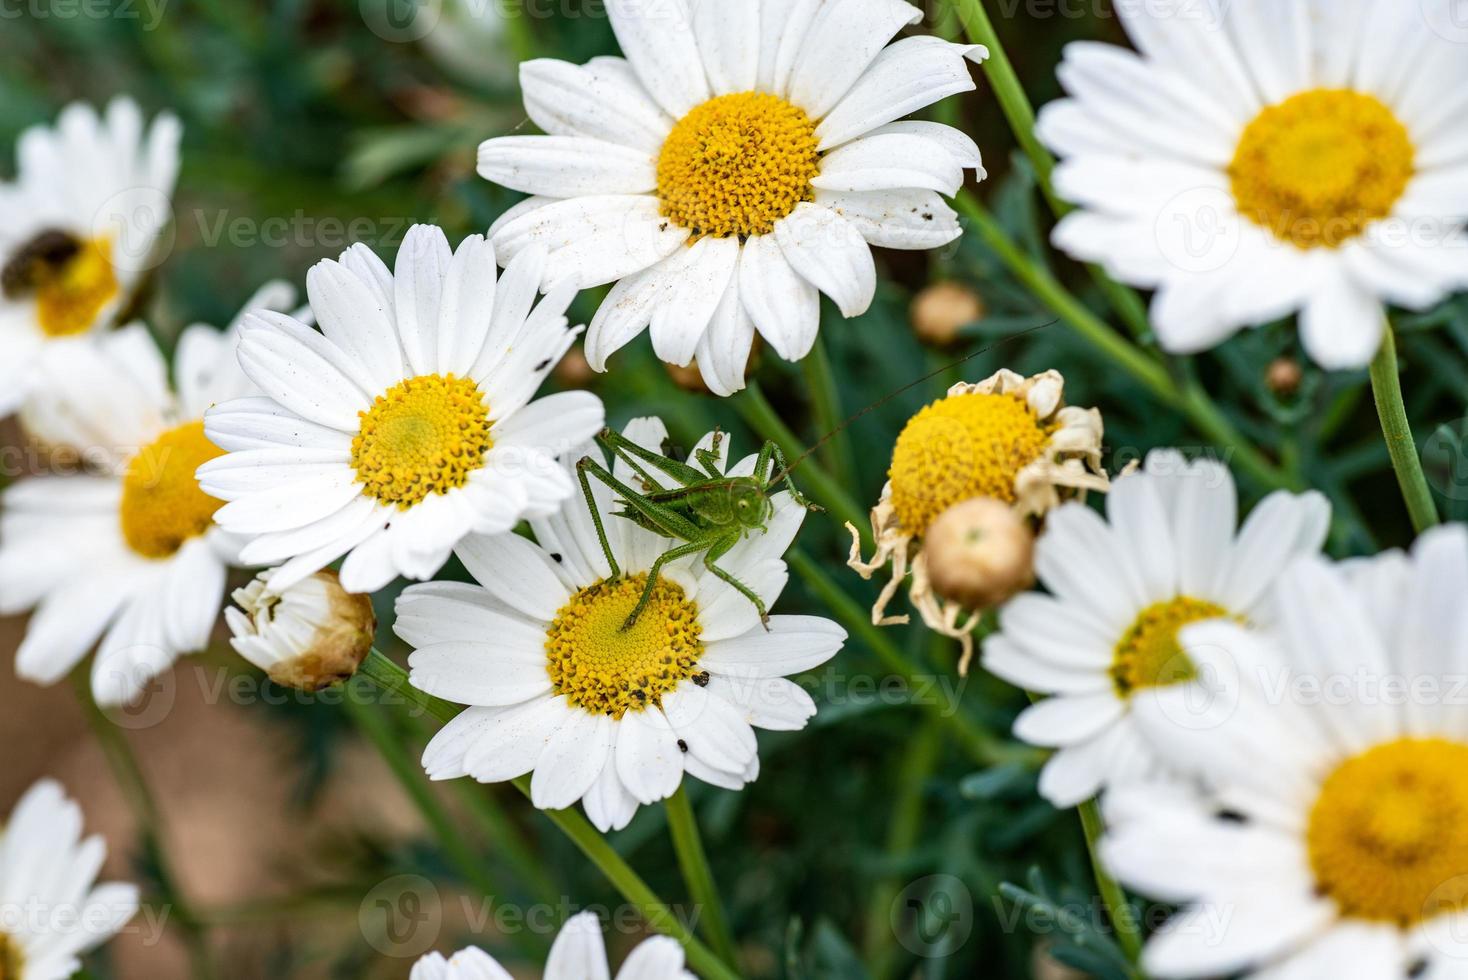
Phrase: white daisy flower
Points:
(129, 553)
(82, 220)
(1259, 158)
(1106, 637)
(579, 953)
(407, 422)
(1006, 438)
(610, 716)
(310, 636)
(1332, 840)
(52, 911)
(740, 161)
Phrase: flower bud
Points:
(980, 553)
(311, 636)
(573, 370)
(940, 311)
(1284, 376)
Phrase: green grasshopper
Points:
(704, 509)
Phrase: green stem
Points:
(826, 403)
(1386, 387)
(1020, 115)
(1128, 932)
(517, 29)
(134, 786)
(701, 960)
(509, 843)
(977, 743)
(1192, 401)
(763, 419)
(699, 877)
(1076, 314)
(916, 766)
(374, 725)
(1013, 101)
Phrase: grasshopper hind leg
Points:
(672, 554)
(742, 589)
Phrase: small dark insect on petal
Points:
(1231, 816)
(557, 558)
(682, 745)
(701, 679)
(543, 364)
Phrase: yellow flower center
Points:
(425, 435)
(1318, 168)
(737, 164)
(960, 447)
(162, 505)
(1149, 653)
(11, 961)
(605, 669)
(71, 280)
(1388, 834)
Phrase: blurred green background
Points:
(311, 125)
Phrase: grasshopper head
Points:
(752, 508)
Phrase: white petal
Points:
(888, 161)
(602, 100)
(785, 307)
(516, 572)
(566, 166)
(904, 219)
(908, 76)
(648, 759)
(723, 350)
(728, 36)
(791, 645)
(418, 281)
(595, 240)
(842, 42)
(578, 952)
(695, 280)
(1342, 326)
(659, 43)
(826, 250)
(572, 760)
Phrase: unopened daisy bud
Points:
(696, 379)
(688, 378)
(940, 311)
(574, 371)
(980, 553)
(1284, 376)
(311, 636)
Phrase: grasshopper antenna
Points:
(901, 391)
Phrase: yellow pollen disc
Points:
(960, 447)
(604, 669)
(1149, 654)
(425, 435)
(162, 505)
(71, 280)
(1388, 834)
(737, 164)
(1321, 166)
